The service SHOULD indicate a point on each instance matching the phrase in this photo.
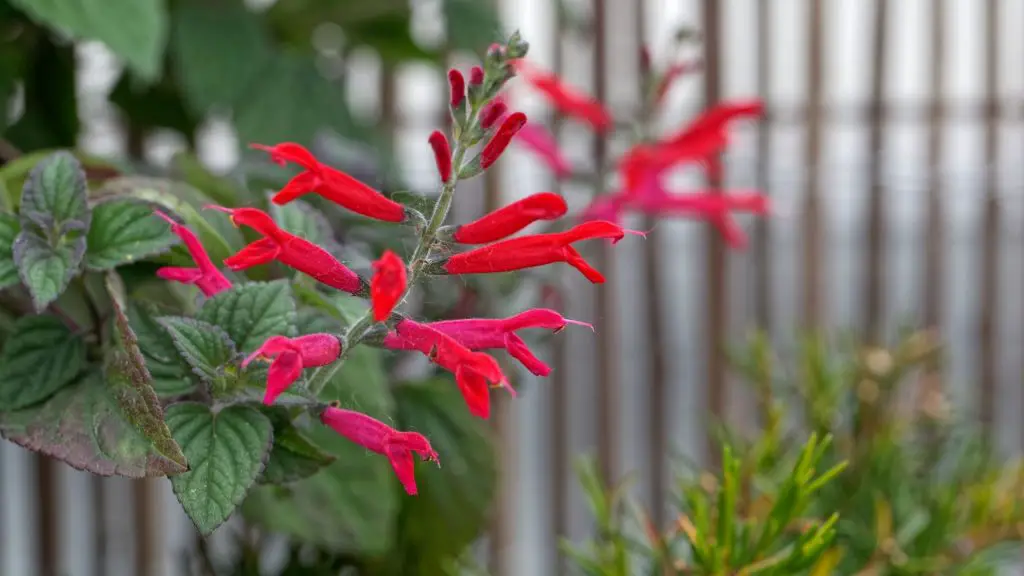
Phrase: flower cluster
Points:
(482, 121)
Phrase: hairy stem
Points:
(358, 329)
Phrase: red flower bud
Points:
(536, 250)
(492, 113)
(442, 154)
(476, 76)
(510, 219)
(501, 139)
(388, 285)
(457, 84)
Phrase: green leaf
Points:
(135, 30)
(125, 231)
(40, 357)
(83, 426)
(226, 452)
(172, 376)
(132, 386)
(15, 173)
(45, 269)
(451, 509)
(49, 83)
(55, 195)
(205, 347)
(252, 312)
(218, 188)
(472, 25)
(303, 220)
(350, 506)
(293, 457)
(152, 106)
(10, 226)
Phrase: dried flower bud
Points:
(442, 154)
(457, 83)
(501, 139)
(492, 113)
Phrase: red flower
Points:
(457, 88)
(205, 275)
(289, 356)
(674, 72)
(473, 370)
(378, 437)
(493, 333)
(331, 183)
(506, 221)
(564, 98)
(388, 285)
(288, 249)
(543, 143)
(442, 154)
(536, 250)
(493, 149)
(492, 113)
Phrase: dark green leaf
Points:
(293, 457)
(252, 312)
(135, 30)
(150, 106)
(132, 387)
(172, 376)
(226, 452)
(451, 509)
(50, 118)
(303, 220)
(124, 231)
(218, 188)
(83, 426)
(45, 269)
(40, 357)
(9, 229)
(55, 195)
(205, 347)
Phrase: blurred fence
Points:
(892, 149)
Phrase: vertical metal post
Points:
(875, 261)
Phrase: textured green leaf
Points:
(9, 229)
(293, 457)
(40, 357)
(135, 30)
(303, 220)
(45, 269)
(125, 231)
(252, 312)
(350, 506)
(83, 426)
(226, 452)
(15, 173)
(205, 347)
(132, 387)
(454, 499)
(172, 376)
(55, 195)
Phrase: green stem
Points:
(358, 329)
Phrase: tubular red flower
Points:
(510, 219)
(388, 285)
(492, 113)
(378, 437)
(473, 370)
(495, 333)
(205, 275)
(564, 98)
(457, 88)
(537, 250)
(289, 356)
(476, 75)
(501, 139)
(674, 72)
(537, 138)
(331, 183)
(288, 249)
(442, 154)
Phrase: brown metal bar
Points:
(813, 238)
(607, 336)
(716, 294)
(762, 238)
(48, 532)
(934, 292)
(875, 256)
(147, 527)
(990, 226)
